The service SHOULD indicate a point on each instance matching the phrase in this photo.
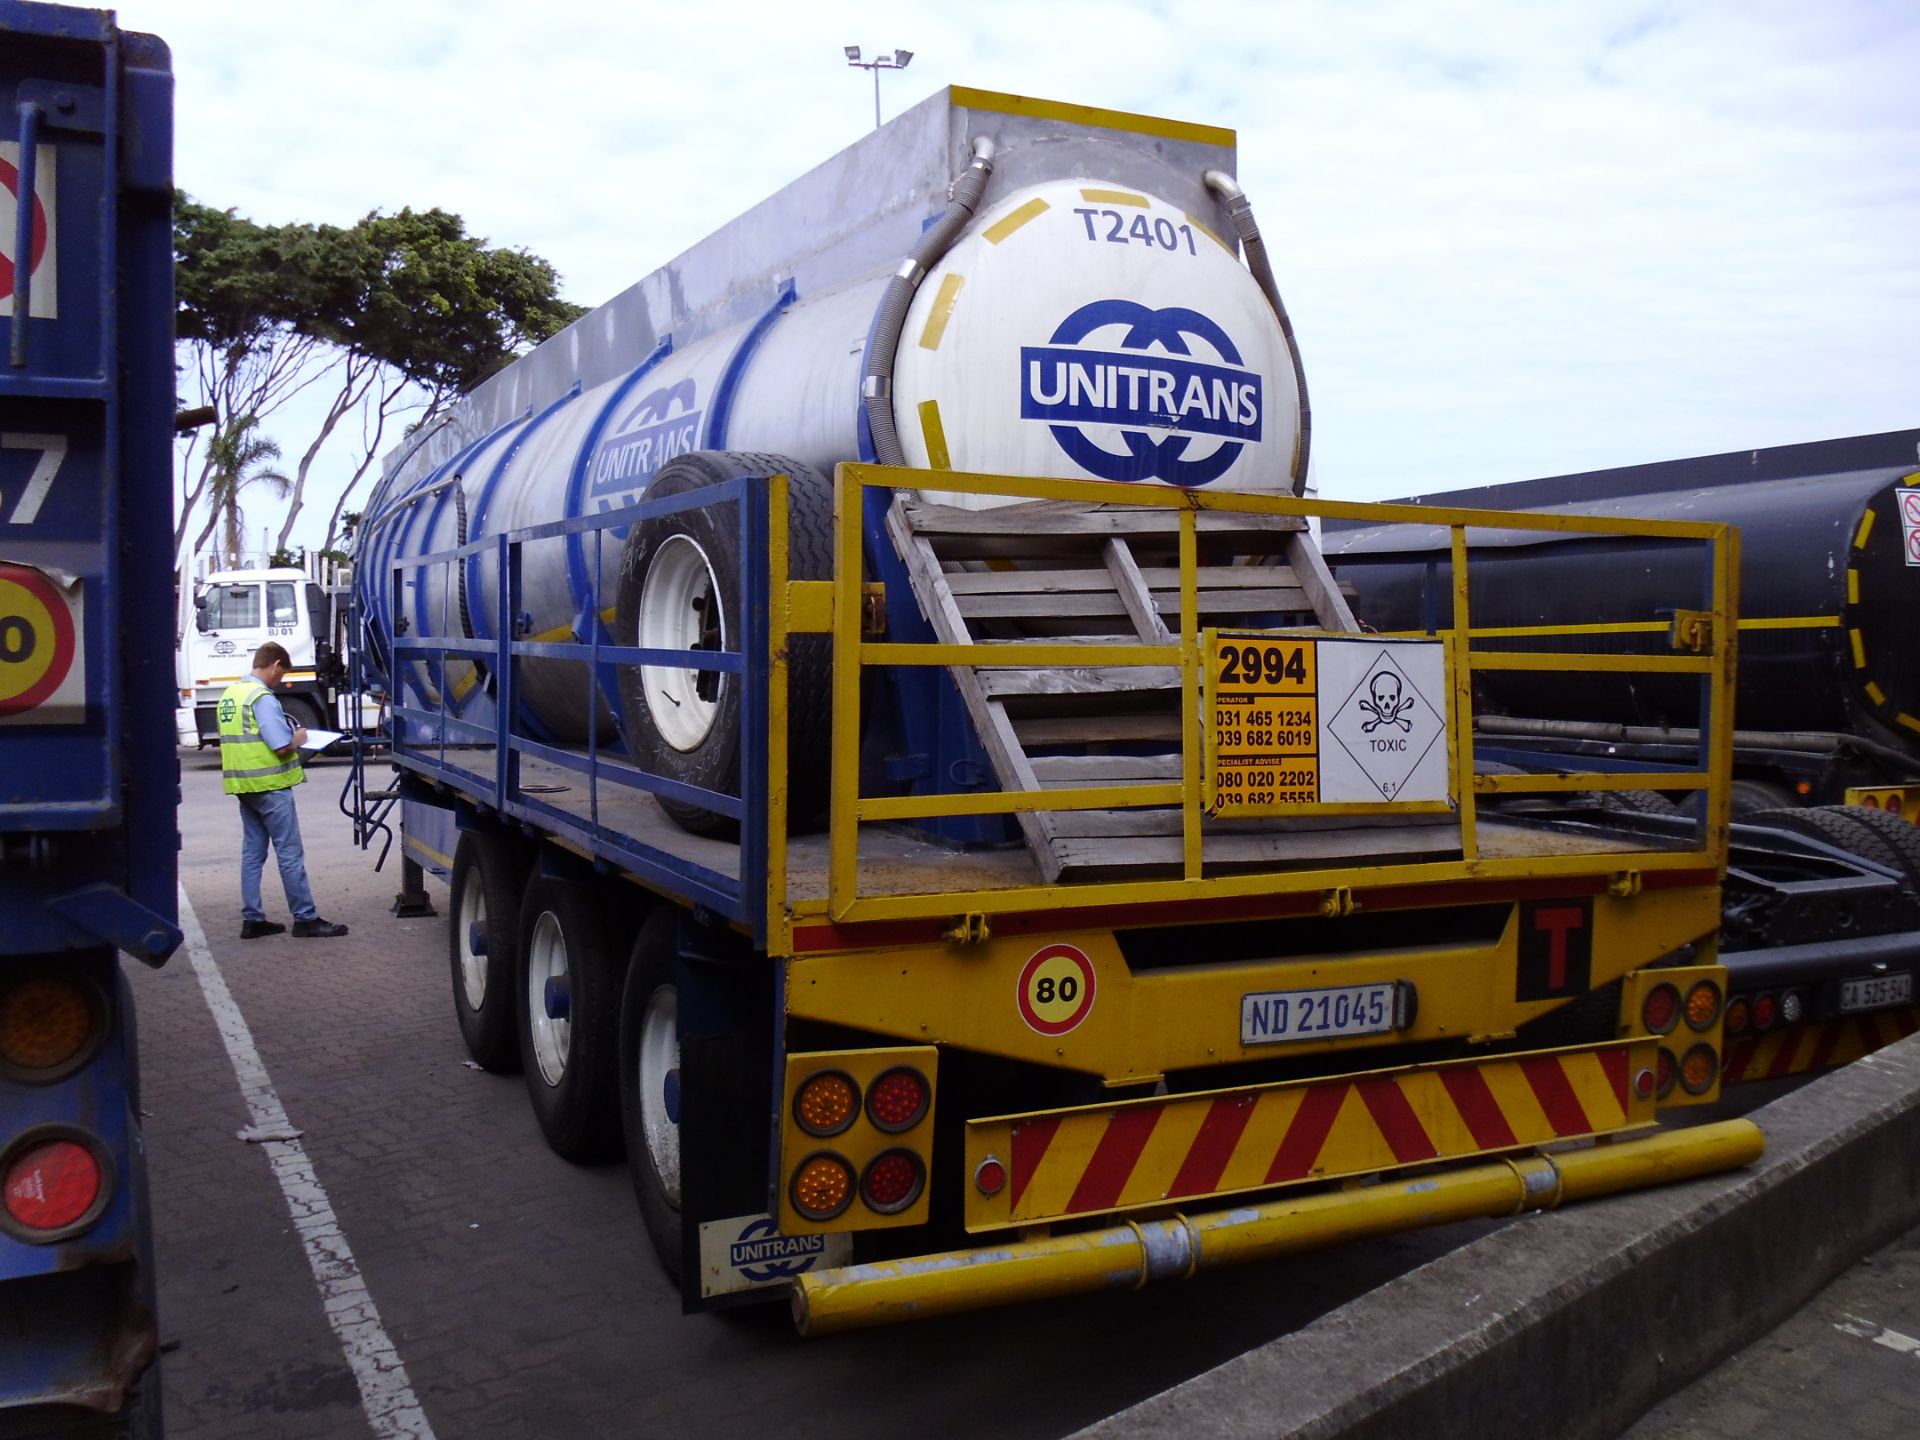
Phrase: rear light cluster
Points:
(1768, 1010)
(55, 1180)
(1894, 801)
(1684, 1009)
(881, 1162)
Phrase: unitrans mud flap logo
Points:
(1162, 400)
(650, 432)
(762, 1253)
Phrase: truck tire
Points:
(679, 590)
(649, 1082)
(1899, 836)
(1837, 825)
(483, 947)
(568, 1012)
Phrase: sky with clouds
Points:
(1516, 237)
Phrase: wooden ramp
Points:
(1069, 573)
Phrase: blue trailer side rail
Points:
(88, 773)
(474, 745)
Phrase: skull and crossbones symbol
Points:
(1388, 704)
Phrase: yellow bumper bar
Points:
(1128, 1256)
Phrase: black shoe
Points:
(317, 929)
(254, 929)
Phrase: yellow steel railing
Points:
(799, 607)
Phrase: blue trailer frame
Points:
(88, 772)
(426, 737)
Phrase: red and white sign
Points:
(1056, 988)
(43, 256)
(42, 674)
(1910, 524)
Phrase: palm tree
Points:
(239, 456)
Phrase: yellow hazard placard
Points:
(1263, 730)
(1295, 721)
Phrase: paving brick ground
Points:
(1846, 1365)
(516, 1288)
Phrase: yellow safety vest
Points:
(247, 763)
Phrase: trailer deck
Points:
(895, 860)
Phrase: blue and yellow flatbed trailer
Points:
(1208, 1028)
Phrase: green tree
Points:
(395, 315)
(435, 311)
(239, 288)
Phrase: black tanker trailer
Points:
(1828, 695)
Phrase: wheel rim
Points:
(472, 912)
(547, 960)
(681, 608)
(659, 1088)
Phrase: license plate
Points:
(1276, 1016)
(1877, 993)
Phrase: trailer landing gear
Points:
(412, 903)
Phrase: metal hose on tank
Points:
(1241, 211)
(877, 388)
(460, 568)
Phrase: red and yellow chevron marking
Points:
(1151, 1152)
(1817, 1046)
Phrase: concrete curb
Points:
(1575, 1322)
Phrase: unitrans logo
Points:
(762, 1253)
(1161, 400)
(651, 431)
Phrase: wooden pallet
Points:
(1067, 573)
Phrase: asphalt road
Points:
(1844, 1365)
(507, 1292)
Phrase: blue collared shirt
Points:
(271, 721)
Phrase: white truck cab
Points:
(233, 612)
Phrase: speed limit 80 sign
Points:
(42, 674)
(1056, 989)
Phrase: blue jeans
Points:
(268, 815)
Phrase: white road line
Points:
(1880, 1335)
(385, 1392)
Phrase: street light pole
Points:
(896, 61)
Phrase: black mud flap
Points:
(731, 1251)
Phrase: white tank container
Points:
(1092, 321)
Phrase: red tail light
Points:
(1660, 1011)
(1895, 805)
(893, 1181)
(52, 1186)
(1765, 1010)
(898, 1099)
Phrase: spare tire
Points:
(680, 577)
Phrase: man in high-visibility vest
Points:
(260, 765)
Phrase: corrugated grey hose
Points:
(1240, 209)
(460, 566)
(877, 388)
